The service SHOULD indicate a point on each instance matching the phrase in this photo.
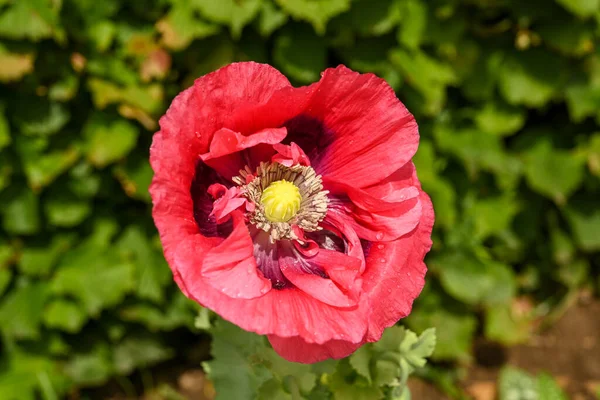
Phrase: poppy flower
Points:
(293, 212)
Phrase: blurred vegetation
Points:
(506, 92)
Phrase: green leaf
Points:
(25, 374)
(500, 119)
(135, 176)
(179, 27)
(5, 278)
(270, 19)
(368, 19)
(479, 84)
(22, 310)
(108, 74)
(575, 274)
(178, 312)
(386, 372)
(427, 75)
(505, 326)
(132, 98)
(234, 13)
(317, 12)
(102, 34)
(300, 54)
(28, 19)
(91, 368)
(37, 259)
(234, 370)
(360, 360)
(413, 23)
(494, 215)
(429, 164)
(344, 387)
(563, 249)
(399, 353)
(516, 384)
(7, 254)
(370, 55)
(43, 169)
(100, 283)
(216, 53)
(5, 139)
(583, 100)
(63, 209)
(41, 118)
(152, 274)
(139, 352)
(64, 315)
(583, 216)
(593, 154)
(107, 142)
(14, 66)
(21, 212)
(531, 78)
(455, 328)
(547, 388)
(65, 89)
(473, 281)
(202, 320)
(415, 350)
(581, 8)
(93, 274)
(298, 379)
(553, 173)
(84, 181)
(272, 390)
(568, 35)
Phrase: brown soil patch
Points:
(569, 350)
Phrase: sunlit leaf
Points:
(316, 12)
(301, 54)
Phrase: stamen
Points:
(284, 197)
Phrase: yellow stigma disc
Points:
(281, 200)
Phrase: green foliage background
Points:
(506, 92)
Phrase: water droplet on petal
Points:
(379, 235)
(380, 246)
(382, 260)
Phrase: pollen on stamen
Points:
(284, 198)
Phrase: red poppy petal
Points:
(395, 273)
(297, 350)
(172, 204)
(320, 288)
(226, 143)
(289, 155)
(285, 313)
(185, 132)
(342, 269)
(343, 224)
(226, 201)
(231, 267)
(374, 134)
(378, 220)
